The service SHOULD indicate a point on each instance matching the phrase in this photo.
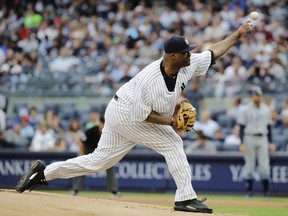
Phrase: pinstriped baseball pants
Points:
(119, 136)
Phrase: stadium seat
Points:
(216, 113)
(280, 141)
(66, 111)
(20, 107)
(51, 106)
(99, 107)
(83, 115)
(10, 119)
(225, 121)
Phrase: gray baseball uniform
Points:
(125, 126)
(256, 121)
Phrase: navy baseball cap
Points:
(177, 44)
(256, 91)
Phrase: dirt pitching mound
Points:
(40, 203)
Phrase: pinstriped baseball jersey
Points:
(125, 126)
(147, 91)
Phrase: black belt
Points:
(116, 97)
(257, 134)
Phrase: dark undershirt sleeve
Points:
(212, 58)
(241, 132)
(269, 135)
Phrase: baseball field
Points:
(58, 203)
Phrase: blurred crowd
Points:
(64, 127)
(95, 46)
(49, 129)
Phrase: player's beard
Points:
(187, 62)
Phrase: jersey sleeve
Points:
(241, 120)
(269, 116)
(142, 106)
(202, 61)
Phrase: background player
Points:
(255, 134)
(93, 135)
(140, 112)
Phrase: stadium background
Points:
(71, 57)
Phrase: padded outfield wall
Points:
(221, 172)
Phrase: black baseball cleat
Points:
(33, 178)
(193, 205)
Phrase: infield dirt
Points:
(49, 204)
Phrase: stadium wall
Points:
(221, 172)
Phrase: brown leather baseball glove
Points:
(186, 116)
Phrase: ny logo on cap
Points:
(186, 41)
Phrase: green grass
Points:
(253, 211)
(256, 206)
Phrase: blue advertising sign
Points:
(219, 173)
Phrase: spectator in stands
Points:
(29, 44)
(107, 85)
(263, 78)
(65, 62)
(236, 74)
(146, 53)
(73, 141)
(277, 69)
(31, 19)
(207, 125)
(5, 75)
(17, 76)
(195, 96)
(56, 125)
(48, 116)
(4, 102)
(54, 31)
(15, 139)
(284, 111)
(2, 120)
(2, 56)
(117, 71)
(35, 116)
(233, 139)
(186, 137)
(41, 33)
(74, 138)
(202, 144)
(276, 121)
(219, 136)
(126, 77)
(236, 108)
(31, 62)
(44, 139)
(2, 140)
(169, 18)
(54, 122)
(94, 120)
(93, 135)
(219, 80)
(269, 102)
(284, 129)
(247, 50)
(27, 129)
(216, 30)
(57, 128)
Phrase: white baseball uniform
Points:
(125, 126)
